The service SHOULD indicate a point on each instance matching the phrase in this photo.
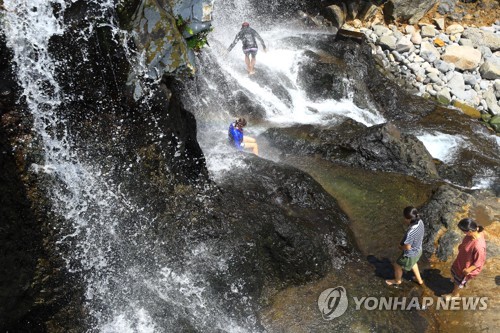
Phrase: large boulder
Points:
(480, 37)
(381, 147)
(441, 216)
(407, 10)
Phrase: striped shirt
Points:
(414, 236)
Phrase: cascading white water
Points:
(126, 289)
(280, 63)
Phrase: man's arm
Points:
(238, 35)
(260, 40)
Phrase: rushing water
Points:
(127, 287)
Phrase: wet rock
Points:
(290, 232)
(441, 216)
(380, 147)
(157, 35)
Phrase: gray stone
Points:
(428, 31)
(485, 51)
(439, 23)
(470, 79)
(409, 29)
(491, 101)
(397, 56)
(490, 69)
(465, 42)
(444, 37)
(480, 37)
(381, 30)
(484, 84)
(429, 52)
(497, 85)
(404, 45)
(450, 75)
(443, 96)
(434, 78)
(407, 10)
(446, 6)
(442, 66)
(463, 57)
(416, 38)
(454, 29)
(388, 42)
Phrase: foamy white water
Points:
(441, 146)
(123, 293)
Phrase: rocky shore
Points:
(448, 51)
(457, 65)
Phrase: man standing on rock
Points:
(248, 37)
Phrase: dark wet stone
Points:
(382, 147)
(441, 216)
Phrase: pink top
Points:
(470, 252)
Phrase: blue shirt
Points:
(414, 236)
(235, 136)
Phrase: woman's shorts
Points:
(252, 51)
(407, 263)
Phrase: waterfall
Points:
(128, 286)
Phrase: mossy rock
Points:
(486, 117)
(495, 120)
(468, 110)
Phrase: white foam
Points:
(441, 146)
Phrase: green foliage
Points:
(197, 41)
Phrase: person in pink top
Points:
(471, 256)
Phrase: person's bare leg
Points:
(416, 271)
(254, 147)
(248, 63)
(398, 274)
(252, 144)
(249, 139)
(252, 65)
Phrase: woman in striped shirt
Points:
(411, 245)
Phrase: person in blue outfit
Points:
(248, 37)
(240, 141)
